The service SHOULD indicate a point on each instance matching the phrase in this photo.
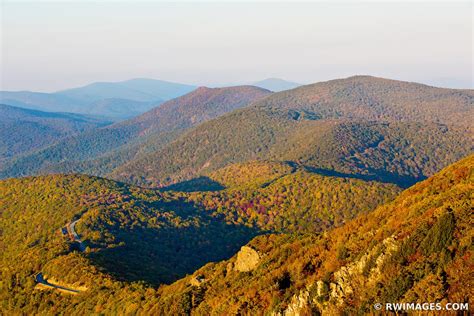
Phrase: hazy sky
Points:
(56, 45)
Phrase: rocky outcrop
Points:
(247, 259)
(299, 305)
(327, 297)
(197, 280)
(351, 276)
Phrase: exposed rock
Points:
(197, 280)
(347, 279)
(247, 259)
(321, 289)
(299, 305)
(229, 267)
(351, 276)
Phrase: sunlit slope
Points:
(417, 248)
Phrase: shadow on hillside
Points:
(165, 248)
(203, 184)
(374, 175)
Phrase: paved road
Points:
(71, 229)
(40, 280)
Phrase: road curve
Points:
(72, 231)
(40, 280)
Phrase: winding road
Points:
(40, 280)
(68, 230)
(74, 236)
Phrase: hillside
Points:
(98, 151)
(417, 249)
(401, 153)
(411, 134)
(131, 234)
(135, 235)
(23, 130)
(283, 198)
(376, 99)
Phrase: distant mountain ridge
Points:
(140, 89)
(23, 130)
(122, 99)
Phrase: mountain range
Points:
(361, 126)
(100, 150)
(323, 199)
(403, 131)
(115, 100)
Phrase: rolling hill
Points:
(375, 99)
(99, 151)
(280, 197)
(23, 130)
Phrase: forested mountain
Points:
(276, 85)
(401, 153)
(135, 234)
(97, 152)
(23, 130)
(414, 248)
(371, 98)
(364, 127)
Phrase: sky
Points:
(49, 46)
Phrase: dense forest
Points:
(417, 248)
(397, 152)
(133, 234)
